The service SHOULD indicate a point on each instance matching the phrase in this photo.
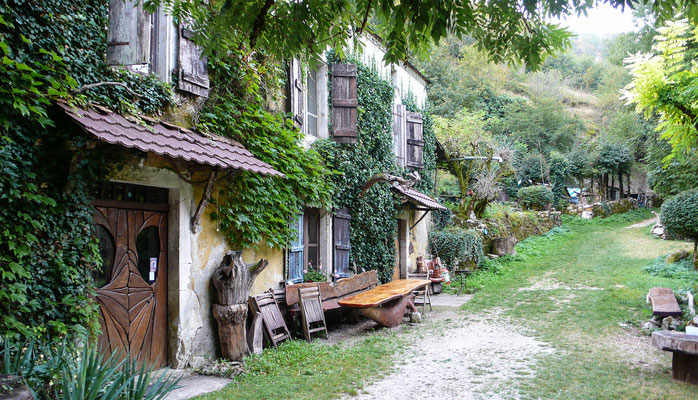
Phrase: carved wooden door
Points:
(132, 286)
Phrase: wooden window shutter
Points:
(415, 140)
(342, 245)
(128, 33)
(295, 251)
(295, 81)
(344, 103)
(193, 69)
(399, 133)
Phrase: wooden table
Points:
(684, 363)
(386, 304)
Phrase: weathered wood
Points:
(342, 245)
(275, 328)
(341, 288)
(390, 314)
(664, 302)
(422, 295)
(128, 34)
(312, 314)
(383, 293)
(685, 358)
(255, 335)
(233, 280)
(193, 68)
(132, 307)
(344, 103)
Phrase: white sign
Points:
(153, 268)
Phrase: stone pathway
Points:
(461, 357)
(193, 385)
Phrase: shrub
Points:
(680, 216)
(535, 197)
(457, 247)
(441, 218)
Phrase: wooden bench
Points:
(684, 362)
(663, 302)
(331, 293)
(386, 304)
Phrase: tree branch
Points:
(98, 84)
(363, 24)
(259, 23)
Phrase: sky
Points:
(603, 20)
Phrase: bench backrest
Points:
(341, 288)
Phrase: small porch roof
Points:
(169, 140)
(417, 198)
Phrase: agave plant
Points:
(59, 372)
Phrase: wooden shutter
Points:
(342, 245)
(344, 103)
(399, 133)
(295, 82)
(128, 34)
(415, 140)
(193, 69)
(295, 251)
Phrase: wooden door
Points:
(132, 286)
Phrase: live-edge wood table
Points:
(386, 304)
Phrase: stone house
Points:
(158, 245)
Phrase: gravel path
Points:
(642, 224)
(461, 356)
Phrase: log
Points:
(233, 281)
(390, 314)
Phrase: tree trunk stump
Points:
(233, 280)
(684, 364)
(390, 315)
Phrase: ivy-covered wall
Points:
(373, 228)
(50, 49)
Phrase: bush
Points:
(682, 270)
(441, 218)
(535, 197)
(457, 248)
(680, 216)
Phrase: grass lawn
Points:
(301, 370)
(583, 292)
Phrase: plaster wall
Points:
(192, 259)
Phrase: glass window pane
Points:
(312, 103)
(148, 247)
(102, 275)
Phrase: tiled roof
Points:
(169, 140)
(417, 197)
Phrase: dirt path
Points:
(459, 356)
(642, 224)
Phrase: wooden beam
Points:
(203, 203)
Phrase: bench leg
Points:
(684, 367)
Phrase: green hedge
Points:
(535, 197)
(680, 215)
(457, 248)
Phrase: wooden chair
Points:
(421, 296)
(313, 317)
(275, 328)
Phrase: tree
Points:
(507, 30)
(464, 137)
(614, 159)
(665, 85)
(680, 216)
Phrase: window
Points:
(311, 99)
(304, 250)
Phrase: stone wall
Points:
(519, 225)
(602, 209)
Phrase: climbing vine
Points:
(50, 49)
(255, 209)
